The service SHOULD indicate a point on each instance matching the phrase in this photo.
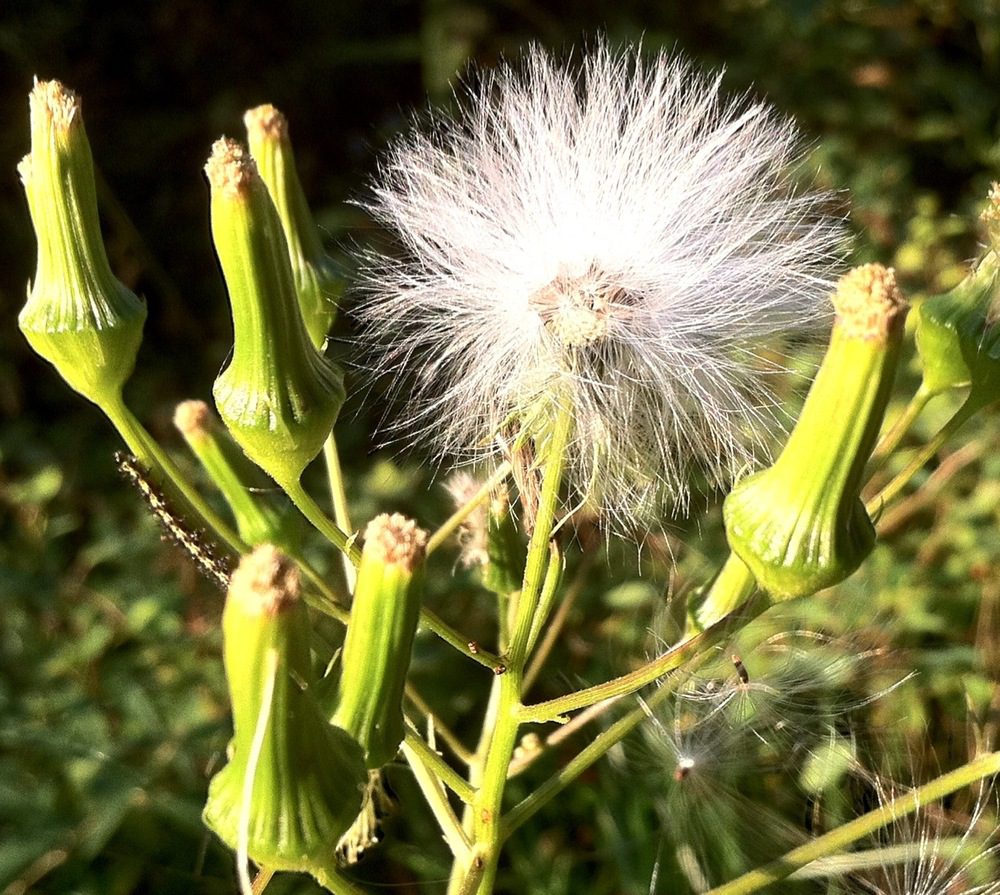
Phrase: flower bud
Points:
(957, 335)
(293, 784)
(490, 539)
(800, 526)
(257, 521)
(279, 396)
(384, 617)
(81, 319)
(316, 283)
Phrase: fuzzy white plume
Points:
(616, 230)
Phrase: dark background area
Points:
(111, 695)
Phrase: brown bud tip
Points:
(192, 418)
(267, 122)
(54, 103)
(230, 168)
(868, 302)
(265, 582)
(395, 540)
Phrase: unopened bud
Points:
(379, 642)
(257, 520)
(958, 333)
(295, 781)
(81, 319)
(800, 526)
(316, 282)
(279, 397)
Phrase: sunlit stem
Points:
(971, 406)
(731, 588)
(683, 654)
(149, 453)
(593, 752)
(891, 439)
(462, 513)
(428, 779)
(321, 522)
(847, 834)
(334, 881)
(486, 809)
(338, 496)
(430, 759)
(550, 585)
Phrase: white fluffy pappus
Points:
(614, 232)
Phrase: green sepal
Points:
(800, 526)
(506, 550)
(309, 777)
(279, 396)
(379, 643)
(78, 316)
(957, 335)
(317, 284)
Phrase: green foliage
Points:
(112, 699)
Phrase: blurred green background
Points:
(112, 704)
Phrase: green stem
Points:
(338, 496)
(894, 435)
(463, 512)
(889, 492)
(945, 849)
(594, 751)
(321, 522)
(433, 622)
(550, 585)
(683, 653)
(149, 453)
(732, 586)
(416, 753)
(837, 840)
(334, 881)
(486, 809)
(445, 773)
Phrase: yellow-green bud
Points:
(957, 333)
(293, 783)
(800, 526)
(81, 319)
(376, 655)
(257, 520)
(279, 396)
(316, 282)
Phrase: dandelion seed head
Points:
(615, 232)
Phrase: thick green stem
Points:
(486, 836)
(843, 836)
(732, 587)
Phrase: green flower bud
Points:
(257, 521)
(376, 655)
(293, 784)
(800, 526)
(490, 539)
(316, 282)
(279, 397)
(957, 334)
(78, 316)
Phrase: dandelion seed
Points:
(616, 234)
(933, 852)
